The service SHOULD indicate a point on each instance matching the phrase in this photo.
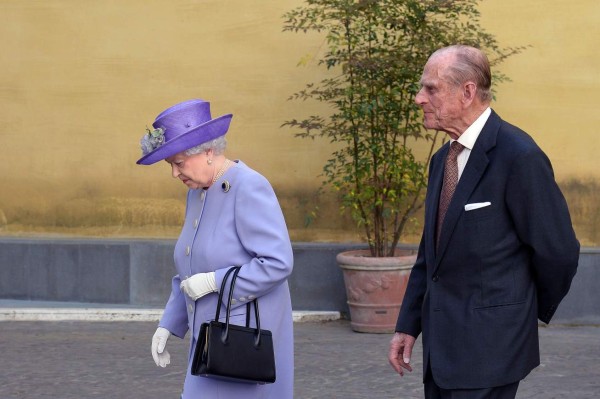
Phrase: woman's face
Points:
(193, 170)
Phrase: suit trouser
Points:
(433, 391)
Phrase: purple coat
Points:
(241, 227)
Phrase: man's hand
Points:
(401, 348)
(160, 355)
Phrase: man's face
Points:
(439, 98)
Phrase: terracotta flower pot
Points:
(375, 288)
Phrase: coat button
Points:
(435, 278)
(195, 223)
(191, 308)
(187, 250)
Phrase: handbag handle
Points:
(225, 333)
(223, 284)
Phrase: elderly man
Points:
(498, 249)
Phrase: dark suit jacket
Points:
(497, 268)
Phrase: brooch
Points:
(226, 186)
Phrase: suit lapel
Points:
(434, 189)
(472, 174)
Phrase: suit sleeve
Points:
(543, 223)
(410, 316)
(263, 233)
(174, 317)
(409, 319)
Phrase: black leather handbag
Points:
(231, 352)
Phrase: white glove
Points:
(159, 341)
(199, 285)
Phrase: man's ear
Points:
(469, 92)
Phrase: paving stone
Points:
(86, 359)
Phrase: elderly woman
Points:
(232, 218)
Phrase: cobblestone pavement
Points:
(112, 360)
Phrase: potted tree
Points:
(376, 50)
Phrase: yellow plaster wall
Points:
(555, 90)
(80, 81)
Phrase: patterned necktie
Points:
(449, 184)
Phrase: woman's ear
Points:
(209, 156)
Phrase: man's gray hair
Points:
(469, 64)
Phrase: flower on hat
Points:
(152, 140)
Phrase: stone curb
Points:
(315, 316)
(112, 314)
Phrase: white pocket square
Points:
(477, 205)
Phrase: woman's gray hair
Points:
(218, 146)
(469, 64)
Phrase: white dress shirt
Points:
(468, 138)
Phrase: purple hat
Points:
(181, 127)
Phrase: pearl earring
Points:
(209, 161)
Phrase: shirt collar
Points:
(468, 138)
